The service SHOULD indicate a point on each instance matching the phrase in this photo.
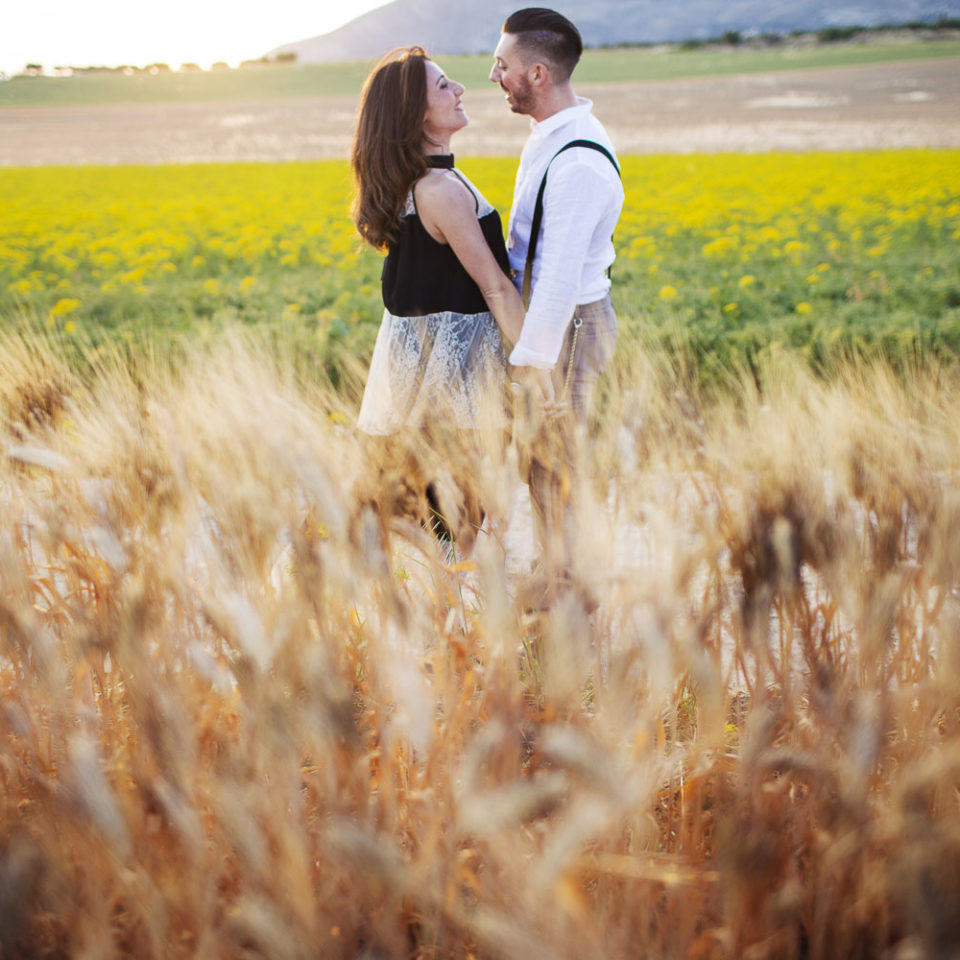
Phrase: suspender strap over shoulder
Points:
(538, 207)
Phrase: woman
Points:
(438, 365)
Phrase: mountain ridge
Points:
(458, 27)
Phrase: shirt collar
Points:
(561, 118)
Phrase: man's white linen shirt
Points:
(581, 206)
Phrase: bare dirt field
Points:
(905, 104)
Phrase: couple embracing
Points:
(466, 314)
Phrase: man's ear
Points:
(539, 74)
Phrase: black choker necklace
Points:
(443, 161)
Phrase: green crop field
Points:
(345, 79)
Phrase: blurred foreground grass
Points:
(245, 713)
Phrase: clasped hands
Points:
(535, 388)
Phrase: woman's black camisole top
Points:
(422, 276)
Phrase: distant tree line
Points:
(38, 70)
(280, 59)
(733, 38)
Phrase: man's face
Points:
(510, 71)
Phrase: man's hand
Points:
(536, 387)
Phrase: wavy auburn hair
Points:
(388, 153)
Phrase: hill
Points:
(453, 26)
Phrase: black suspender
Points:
(538, 207)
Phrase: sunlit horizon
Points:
(115, 33)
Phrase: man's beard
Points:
(521, 99)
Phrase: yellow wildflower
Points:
(62, 307)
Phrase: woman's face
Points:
(444, 111)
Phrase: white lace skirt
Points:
(445, 368)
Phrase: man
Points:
(570, 329)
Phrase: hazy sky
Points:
(138, 32)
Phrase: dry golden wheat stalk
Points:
(249, 709)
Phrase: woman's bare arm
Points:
(448, 211)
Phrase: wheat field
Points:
(251, 710)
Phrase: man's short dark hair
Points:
(547, 34)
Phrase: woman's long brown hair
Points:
(388, 151)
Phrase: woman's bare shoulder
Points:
(441, 190)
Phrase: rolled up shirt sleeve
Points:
(575, 201)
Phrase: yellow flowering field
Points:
(832, 254)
